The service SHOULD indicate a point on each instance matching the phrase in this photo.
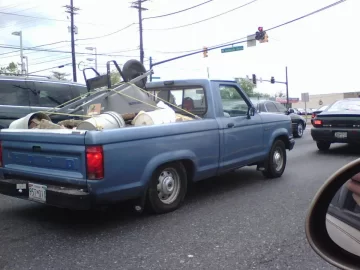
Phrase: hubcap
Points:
(278, 160)
(168, 186)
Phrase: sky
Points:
(320, 51)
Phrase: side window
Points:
(14, 93)
(280, 107)
(271, 107)
(232, 102)
(262, 107)
(78, 90)
(189, 99)
(51, 94)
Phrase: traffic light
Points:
(254, 78)
(261, 35)
(205, 52)
(265, 39)
(272, 80)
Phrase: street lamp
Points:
(19, 34)
(27, 64)
(93, 49)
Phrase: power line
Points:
(43, 18)
(218, 15)
(237, 41)
(117, 31)
(61, 66)
(272, 28)
(176, 12)
(56, 51)
(36, 47)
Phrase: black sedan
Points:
(315, 113)
(298, 122)
(339, 123)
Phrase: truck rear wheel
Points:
(276, 162)
(167, 188)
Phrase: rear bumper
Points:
(56, 196)
(328, 135)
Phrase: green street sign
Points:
(232, 49)
(158, 78)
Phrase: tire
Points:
(299, 130)
(168, 196)
(275, 168)
(323, 146)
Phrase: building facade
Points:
(316, 101)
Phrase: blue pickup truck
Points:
(79, 169)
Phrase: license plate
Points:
(37, 192)
(341, 135)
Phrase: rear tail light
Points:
(318, 123)
(94, 162)
(1, 155)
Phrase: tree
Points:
(114, 77)
(11, 69)
(60, 75)
(248, 87)
(280, 94)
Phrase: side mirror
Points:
(251, 112)
(333, 221)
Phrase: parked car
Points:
(339, 123)
(301, 111)
(298, 122)
(82, 169)
(20, 96)
(316, 112)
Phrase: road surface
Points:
(239, 221)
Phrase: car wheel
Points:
(167, 188)
(323, 146)
(299, 130)
(276, 162)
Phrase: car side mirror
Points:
(251, 112)
(333, 221)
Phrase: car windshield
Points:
(322, 108)
(345, 105)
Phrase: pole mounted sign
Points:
(232, 49)
(305, 97)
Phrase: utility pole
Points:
(137, 4)
(72, 10)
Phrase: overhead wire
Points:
(106, 35)
(176, 12)
(44, 18)
(210, 18)
(57, 51)
(43, 45)
(269, 29)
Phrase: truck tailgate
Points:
(44, 156)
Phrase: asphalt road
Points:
(239, 221)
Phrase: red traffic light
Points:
(260, 29)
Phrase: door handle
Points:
(230, 125)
